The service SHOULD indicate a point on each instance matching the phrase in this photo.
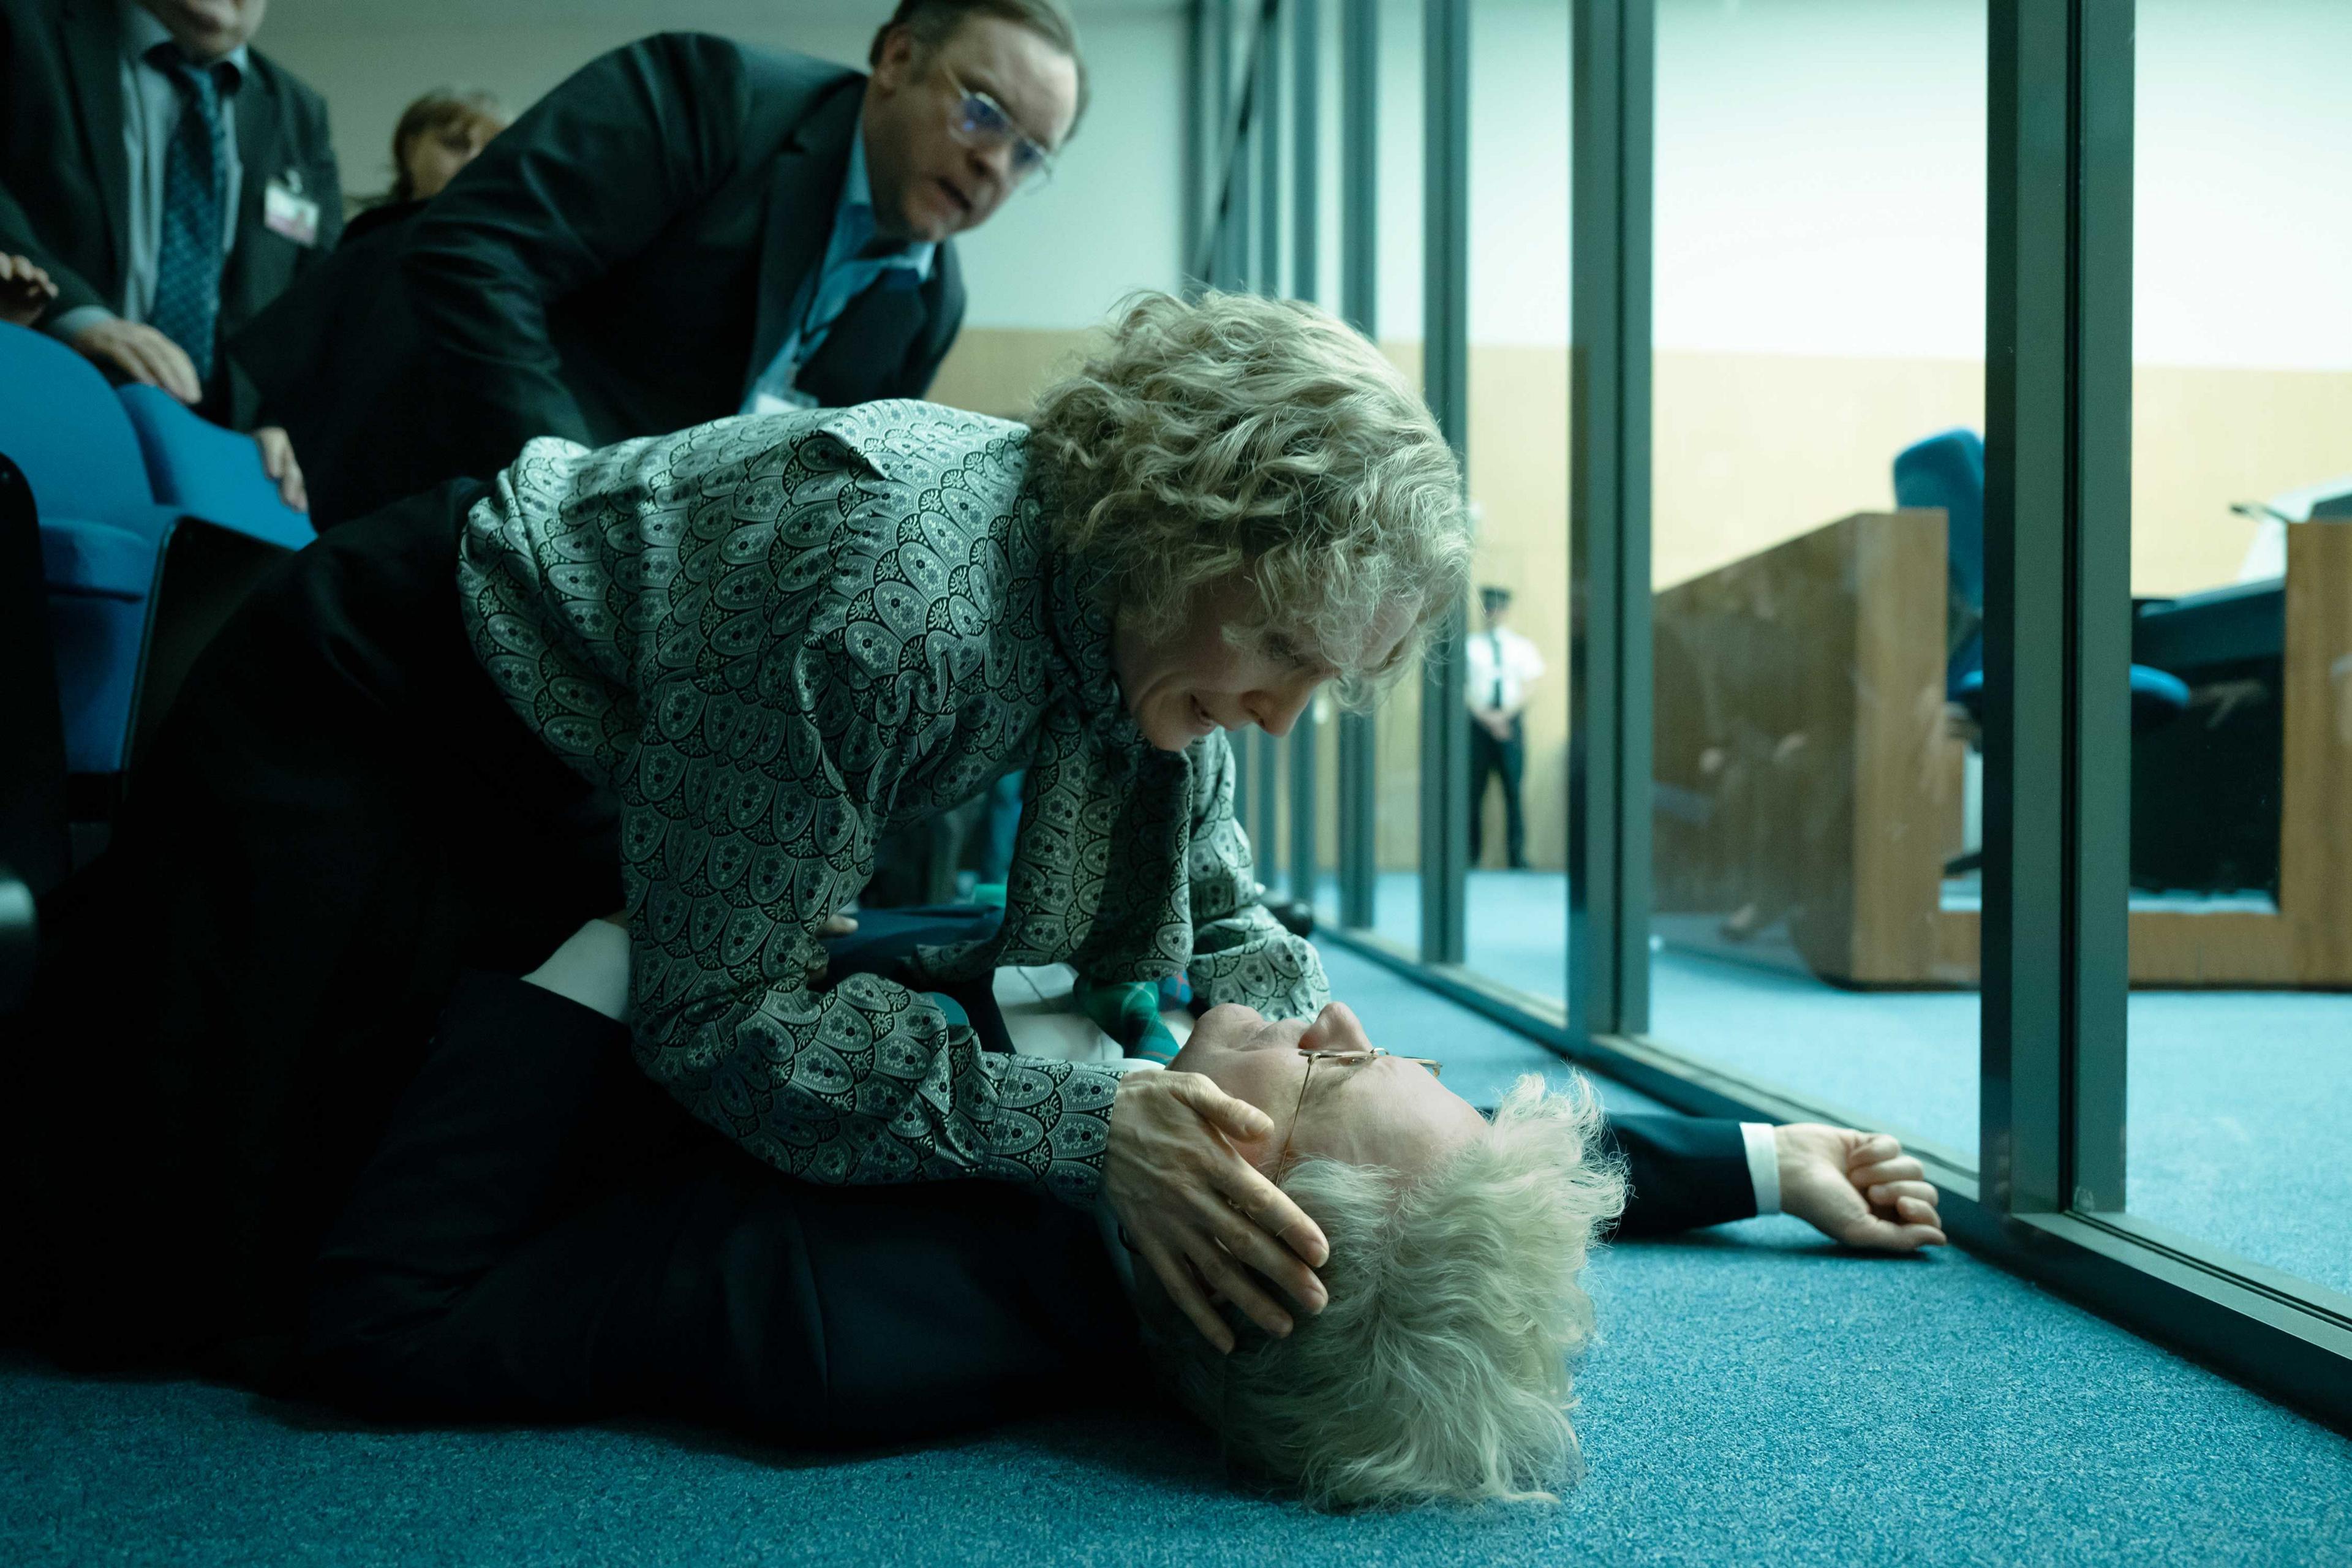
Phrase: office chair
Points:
(134, 587)
(1946, 470)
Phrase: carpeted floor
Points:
(2235, 1099)
(1758, 1396)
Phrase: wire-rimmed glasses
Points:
(976, 119)
(1341, 1054)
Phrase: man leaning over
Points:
(688, 228)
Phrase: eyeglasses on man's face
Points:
(1348, 1054)
(977, 120)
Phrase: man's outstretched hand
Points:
(1856, 1187)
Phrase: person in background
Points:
(25, 290)
(438, 135)
(170, 180)
(1502, 666)
(688, 228)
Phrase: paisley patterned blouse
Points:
(773, 637)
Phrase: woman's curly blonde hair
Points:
(1264, 438)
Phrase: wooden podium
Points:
(1808, 785)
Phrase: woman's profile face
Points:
(1180, 685)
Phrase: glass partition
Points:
(1817, 552)
(2239, 1085)
(1397, 725)
(1516, 674)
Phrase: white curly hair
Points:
(1439, 1368)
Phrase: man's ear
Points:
(895, 67)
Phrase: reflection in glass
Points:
(2239, 1088)
(1819, 298)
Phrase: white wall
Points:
(1820, 178)
(1055, 258)
(1821, 163)
(2244, 186)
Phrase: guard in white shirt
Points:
(1502, 667)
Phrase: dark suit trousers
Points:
(1508, 759)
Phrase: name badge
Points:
(285, 210)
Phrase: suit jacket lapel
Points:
(93, 48)
(260, 159)
(803, 194)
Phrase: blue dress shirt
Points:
(847, 271)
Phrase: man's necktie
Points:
(188, 252)
(1496, 638)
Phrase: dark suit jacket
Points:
(622, 262)
(541, 1225)
(1682, 1173)
(65, 179)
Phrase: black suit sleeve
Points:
(17, 238)
(18, 61)
(585, 180)
(324, 179)
(1682, 1173)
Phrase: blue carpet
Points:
(1757, 1397)
(2236, 1099)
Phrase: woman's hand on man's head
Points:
(1197, 1211)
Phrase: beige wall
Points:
(1753, 448)
(1750, 450)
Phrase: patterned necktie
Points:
(188, 253)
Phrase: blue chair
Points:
(102, 532)
(2156, 695)
(135, 586)
(208, 472)
(1946, 470)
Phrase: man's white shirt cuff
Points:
(592, 968)
(1763, 1165)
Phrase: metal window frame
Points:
(1266, 131)
(1306, 257)
(1446, 388)
(1359, 210)
(2057, 728)
(1613, 99)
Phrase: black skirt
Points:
(339, 816)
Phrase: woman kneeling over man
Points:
(694, 677)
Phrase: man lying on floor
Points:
(543, 1232)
